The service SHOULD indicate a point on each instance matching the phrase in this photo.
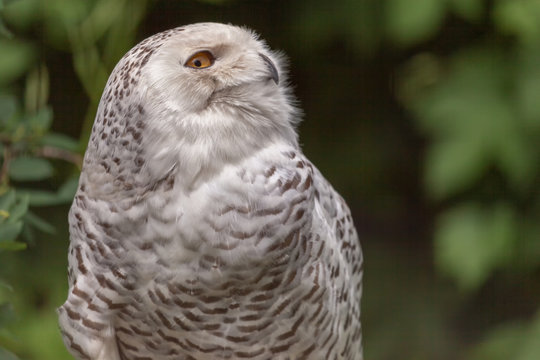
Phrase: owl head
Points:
(196, 97)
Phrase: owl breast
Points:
(236, 267)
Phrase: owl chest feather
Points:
(220, 269)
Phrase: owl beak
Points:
(271, 68)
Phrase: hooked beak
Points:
(271, 68)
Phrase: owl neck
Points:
(199, 146)
(143, 147)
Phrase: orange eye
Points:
(200, 60)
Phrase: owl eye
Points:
(200, 60)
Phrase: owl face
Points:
(209, 67)
(212, 94)
(193, 99)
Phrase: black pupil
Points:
(197, 63)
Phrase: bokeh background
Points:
(424, 114)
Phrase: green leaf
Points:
(412, 21)
(30, 169)
(37, 91)
(43, 198)
(60, 141)
(528, 85)
(8, 105)
(10, 231)
(474, 125)
(519, 18)
(67, 191)
(64, 195)
(6, 286)
(517, 341)
(7, 200)
(6, 313)
(12, 246)
(19, 209)
(16, 58)
(471, 242)
(530, 348)
(517, 157)
(6, 355)
(501, 343)
(453, 165)
(28, 234)
(41, 121)
(22, 13)
(468, 9)
(4, 31)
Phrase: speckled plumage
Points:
(199, 229)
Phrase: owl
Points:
(199, 229)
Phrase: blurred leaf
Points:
(528, 247)
(122, 34)
(6, 355)
(473, 125)
(530, 348)
(517, 157)
(30, 169)
(519, 17)
(41, 121)
(28, 234)
(37, 89)
(461, 101)
(356, 22)
(15, 59)
(528, 85)
(3, 29)
(68, 189)
(471, 242)
(412, 21)
(40, 197)
(468, 9)
(515, 341)
(61, 16)
(453, 165)
(43, 198)
(5, 286)
(6, 313)
(41, 336)
(12, 245)
(502, 343)
(9, 232)
(20, 209)
(91, 71)
(8, 105)
(40, 224)
(60, 141)
(103, 15)
(64, 195)
(7, 200)
(22, 13)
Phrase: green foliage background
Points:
(425, 114)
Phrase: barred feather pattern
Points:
(252, 256)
